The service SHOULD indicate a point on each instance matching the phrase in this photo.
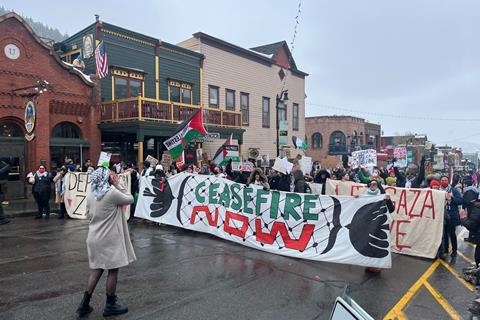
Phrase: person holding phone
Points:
(108, 241)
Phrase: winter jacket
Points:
(42, 184)
(401, 179)
(299, 181)
(452, 215)
(263, 178)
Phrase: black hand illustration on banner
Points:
(181, 192)
(163, 197)
(369, 230)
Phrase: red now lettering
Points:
(239, 232)
(211, 221)
(279, 227)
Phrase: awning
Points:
(67, 142)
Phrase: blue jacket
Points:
(451, 208)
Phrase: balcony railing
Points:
(139, 108)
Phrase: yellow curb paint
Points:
(396, 311)
(465, 257)
(444, 303)
(455, 273)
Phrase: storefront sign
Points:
(30, 120)
(88, 46)
(323, 228)
(416, 226)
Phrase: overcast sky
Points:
(416, 58)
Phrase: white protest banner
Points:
(153, 161)
(305, 164)
(104, 159)
(400, 155)
(316, 187)
(417, 222)
(77, 187)
(323, 228)
(366, 158)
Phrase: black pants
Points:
(43, 202)
(63, 210)
(449, 233)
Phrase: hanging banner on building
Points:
(77, 187)
(400, 155)
(324, 228)
(416, 226)
(88, 46)
(365, 158)
(30, 120)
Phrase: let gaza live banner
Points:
(417, 223)
(77, 187)
(324, 228)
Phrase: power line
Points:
(398, 116)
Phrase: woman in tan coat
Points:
(108, 241)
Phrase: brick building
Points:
(39, 127)
(339, 135)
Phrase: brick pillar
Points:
(42, 131)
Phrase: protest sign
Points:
(77, 187)
(323, 228)
(416, 226)
(305, 164)
(283, 165)
(366, 158)
(166, 159)
(104, 159)
(245, 166)
(152, 160)
(400, 155)
(265, 160)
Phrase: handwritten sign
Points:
(400, 155)
(366, 158)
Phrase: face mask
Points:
(444, 184)
(41, 170)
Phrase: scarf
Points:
(373, 192)
(100, 185)
(40, 175)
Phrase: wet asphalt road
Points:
(182, 274)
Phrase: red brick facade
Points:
(70, 97)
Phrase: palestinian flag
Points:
(190, 129)
(298, 143)
(223, 153)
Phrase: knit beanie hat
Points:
(390, 180)
(434, 183)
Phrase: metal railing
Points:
(140, 108)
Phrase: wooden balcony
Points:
(146, 109)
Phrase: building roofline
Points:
(248, 52)
(13, 15)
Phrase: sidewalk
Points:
(25, 207)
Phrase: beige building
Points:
(249, 81)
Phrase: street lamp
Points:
(283, 99)
(40, 87)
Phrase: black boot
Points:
(112, 308)
(84, 308)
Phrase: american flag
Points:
(101, 60)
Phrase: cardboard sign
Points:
(77, 187)
(400, 155)
(283, 165)
(417, 223)
(246, 166)
(322, 228)
(366, 158)
(152, 160)
(305, 164)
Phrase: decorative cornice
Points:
(124, 36)
(70, 108)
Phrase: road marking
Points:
(444, 303)
(458, 276)
(465, 257)
(396, 311)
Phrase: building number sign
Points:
(12, 51)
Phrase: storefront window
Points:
(120, 88)
(66, 130)
(187, 96)
(174, 94)
(10, 130)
